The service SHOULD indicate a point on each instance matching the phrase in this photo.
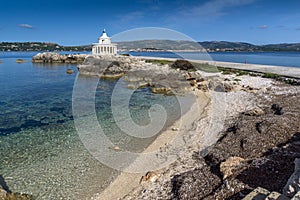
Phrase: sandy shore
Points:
(127, 182)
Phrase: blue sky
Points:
(78, 22)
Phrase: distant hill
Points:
(228, 46)
(156, 45)
(159, 45)
(40, 46)
(282, 47)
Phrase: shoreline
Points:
(291, 72)
(199, 174)
(119, 188)
(286, 71)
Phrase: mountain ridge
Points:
(157, 45)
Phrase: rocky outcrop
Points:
(138, 73)
(58, 58)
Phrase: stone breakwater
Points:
(161, 78)
(57, 58)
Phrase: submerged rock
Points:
(4, 195)
(70, 71)
(20, 61)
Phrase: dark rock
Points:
(183, 65)
(277, 109)
(259, 127)
(195, 184)
(228, 87)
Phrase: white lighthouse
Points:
(104, 46)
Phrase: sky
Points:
(80, 22)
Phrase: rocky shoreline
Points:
(50, 57)
(256, 149)
(161, 77)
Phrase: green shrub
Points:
(161, 62)
(271, 75)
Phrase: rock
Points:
(232, 163)
(49, 57)
(70, 71)
(3, 194)
(20, 61)
(193, 82)
(115, 148)
(16, 196)
(255, 112)
(203, 86)
(175, 129)
(228, 87)
(182, 65)
(277, 109)
(258, 193)
(260, 127)
(0, 61)
(293, 184)
(150, 176)
(161, 78)
(161, 90)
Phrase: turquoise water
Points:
(289, 59)
(40, 151)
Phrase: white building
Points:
(104, 46)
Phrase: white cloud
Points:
(263, 27)
(25, 26)
(132, 16)
(215, 8)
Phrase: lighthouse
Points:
(104, 46)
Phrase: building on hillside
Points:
(104, 46)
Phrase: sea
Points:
(40, 150)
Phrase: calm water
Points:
(40, 151)
(290, 59)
